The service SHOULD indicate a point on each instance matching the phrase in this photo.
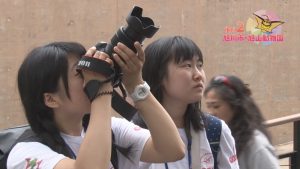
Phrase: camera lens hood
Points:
(141, 25)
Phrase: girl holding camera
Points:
(175, 73)
(51, 91)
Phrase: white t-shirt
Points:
(226, 155)
(39, 156)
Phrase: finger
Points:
(96, 55)
(129, 59)
(121, 54)
(108, 60)
(120, 62)
(140, 52)
(90, 51)
(125, 49)
(139, 56)
(103, 55)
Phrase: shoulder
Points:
(215, 122)
(259, 136)
(125, 130)
(28, 148)
(220, 128)
(217, 128)
(259, 142)
(226, 156)
(24, 153)
(259, 146)
(225, 128)
(259, 152)
(121, 123)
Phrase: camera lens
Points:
(138, 28)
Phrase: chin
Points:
(196, 99)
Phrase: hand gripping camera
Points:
(138, 29)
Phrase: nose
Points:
(197, 74)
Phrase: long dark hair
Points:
(39, 73)
(247, 115)
(158, 55)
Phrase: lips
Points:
(199, 86)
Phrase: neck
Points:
(69, 125)
(176, 110)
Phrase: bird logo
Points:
(265, 24)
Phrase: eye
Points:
(199, 65)
(188, 65)
(79, 74)
(216, 106)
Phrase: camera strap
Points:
(96, 65)
(119, 104)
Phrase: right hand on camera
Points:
(90, 75)
(95, 83)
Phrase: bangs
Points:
(185, 49)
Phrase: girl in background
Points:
(228, 98)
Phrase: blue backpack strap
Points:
(213, 128)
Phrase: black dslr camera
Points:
(138, 29)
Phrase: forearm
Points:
(95, 150)
(164, 134)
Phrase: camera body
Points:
(138, 28)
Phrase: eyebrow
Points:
(212, 103)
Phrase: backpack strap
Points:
(213, 128)
(10, 137)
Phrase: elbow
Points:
(180, 152)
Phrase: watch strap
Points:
(92, 87)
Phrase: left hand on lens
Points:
(131, 64)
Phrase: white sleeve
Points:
(32, 155)
(130, 135)
(227, 158)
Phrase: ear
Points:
(51, 100)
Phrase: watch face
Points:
(142, 92)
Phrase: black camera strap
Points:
(122, 106)
(119, 104)
(96, 65)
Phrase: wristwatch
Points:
(140, 92)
